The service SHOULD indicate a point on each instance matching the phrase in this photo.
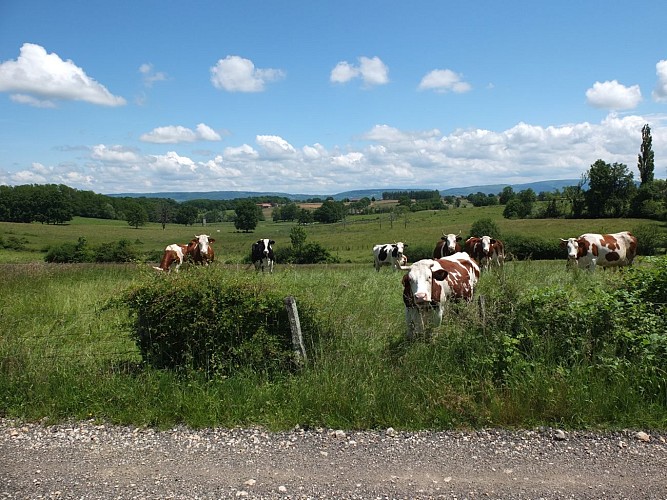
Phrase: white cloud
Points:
(343, 72)
(116, 154)
(275, 146)
(149, 76)
(613, 95)
(383, 157)
(177, 134)
(660, 91)
(236, 74)
(444, 80)
(46, 77)
(206, 133)
(371, 70)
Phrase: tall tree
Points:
(136, 215)
(610, 189)
(247, 216)
(645, 158)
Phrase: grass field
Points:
(64, 354)
(350, 241)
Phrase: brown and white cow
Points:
(430, 283)
(173, 256)
(605, 250)
(486, 251)
(448, 245)
(201, 249)
(390, 254)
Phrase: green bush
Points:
(649, 239)
(117, 251)
(307, 253)
(485, 227)
(532, 247)
(208, 320)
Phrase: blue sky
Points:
(324, 97)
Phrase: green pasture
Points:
(351, 241)
(65, 354)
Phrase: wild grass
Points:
(63, 355)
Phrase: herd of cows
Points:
(199, 251)
(451, 274)
(453, 271)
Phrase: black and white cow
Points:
(390, 254)
(262, 254)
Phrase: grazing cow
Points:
(201, 250)
(262, 254)
(430, 283)
(605, 250)
(390, 254)
(448, 245)
(485, 251)
(173, 256)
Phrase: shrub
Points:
(485, 227)
(211, 321)
(118, 251)
(532, 247)
(649, 239)
(70, 253)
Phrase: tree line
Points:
(605, 190)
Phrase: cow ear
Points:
(458, 238)
(405, 280)
(436, 290)
(211, 240)
(271, 242)
(439, 275)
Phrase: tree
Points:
(610, 189)
(186, 215)
(646, 157)
(485, 227)
(506, 195)
(136, 215)
(247, 216)
(329, 212)
(575, 196)
(297, 236)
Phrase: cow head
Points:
(421, 287)
(576, 247)
(203, 241)
(487, 241)
(450, 241)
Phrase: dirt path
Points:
(86, 460)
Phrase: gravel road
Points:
(92, 460)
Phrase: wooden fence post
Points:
(295, 326)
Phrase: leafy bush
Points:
(306, 253)
(70, 253)
(532, 247)
(117, 251)
(211, 321)
(13, 243)
(649, 239)
(485, 227)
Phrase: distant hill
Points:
(180, 196)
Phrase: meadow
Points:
(513, 360)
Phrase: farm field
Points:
(350, 241)
(538, 346)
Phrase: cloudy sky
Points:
(321, 97)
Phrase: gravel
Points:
(93, 460)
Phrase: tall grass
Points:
(64, 355)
